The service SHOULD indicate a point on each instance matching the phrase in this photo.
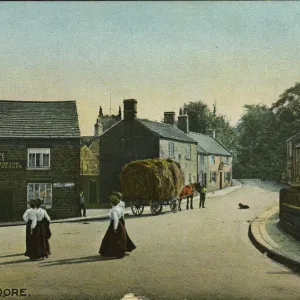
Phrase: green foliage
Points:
(202, 118)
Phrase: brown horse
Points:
(187, 193)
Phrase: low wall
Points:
(289, 211)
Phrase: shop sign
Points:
(62, 185)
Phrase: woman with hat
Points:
(43, 220)
(30, 218)
(114, 241)
(129, 244)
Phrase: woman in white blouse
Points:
(130, 246)
(42, 228)
(30, 218)
(114, 241)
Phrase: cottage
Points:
(134, 139)
(214, 159)
(39, 157)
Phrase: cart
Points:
(156, 206)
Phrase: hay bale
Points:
(152, 179)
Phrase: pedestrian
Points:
(114, 240)
(82, 204)
(203, 192)
(130, 246)
(30, 218)
(43, 222)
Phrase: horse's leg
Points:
(192, 202)
(187, 202)
(179, 202)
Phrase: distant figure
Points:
(203, 192)
(242, 206)
(262, 177)
(82, 205)
(114, 240)
(130, 246)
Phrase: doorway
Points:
(92, 191)
(6, 206)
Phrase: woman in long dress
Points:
(30, 218)
(114, 240)
(130, 246)
(43, 221)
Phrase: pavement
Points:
(267, 236)
(98, 214)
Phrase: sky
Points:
(163, 54)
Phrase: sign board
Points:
(61, 185)
(16, 165)
(3, 155)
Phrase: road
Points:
(192, 254)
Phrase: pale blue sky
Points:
(163, 54)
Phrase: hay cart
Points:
(156, 206)
(152, 182)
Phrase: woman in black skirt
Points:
(30, 218)
(130, 246)
(114, 241)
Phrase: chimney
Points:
(169, 117)
(129, 109)
(98, 127)
(211, 133)
(183, 121)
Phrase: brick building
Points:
(134, 139)
(39, 157)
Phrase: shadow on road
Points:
(16, 261)
(12, 255)
(268, 185)
(78, 260)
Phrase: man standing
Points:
(203, 192)
(82, 204)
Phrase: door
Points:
(221, 180)
(92, 191)
(6, 206)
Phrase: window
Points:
(213, 177)
(171, 150)
(202, 159)
(38, 158)
(212, 159)
(190, 178)
(227, 159)
(42, 191)
(188, 152)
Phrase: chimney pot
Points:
(211, 133)
(169, 117)
(130, 109)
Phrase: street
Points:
(192, 254)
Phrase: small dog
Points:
(242, 206)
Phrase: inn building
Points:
(39, 157)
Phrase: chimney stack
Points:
(169, 117)
(130, 109)
(183, 121)
(211, 133)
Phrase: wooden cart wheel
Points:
(156, 207)
(137, 208)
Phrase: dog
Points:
(242, 206)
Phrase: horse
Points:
(188, 193)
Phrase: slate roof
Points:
(167, 131)
(37, 119)
(208, 145)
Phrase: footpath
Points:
(98, 214)
(268, 237)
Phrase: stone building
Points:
(135, 139)
(39, 157)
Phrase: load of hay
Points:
(152, 179)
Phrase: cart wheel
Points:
(137, 208)
(174, 205)
(156, 207)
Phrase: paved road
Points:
(194, 254)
